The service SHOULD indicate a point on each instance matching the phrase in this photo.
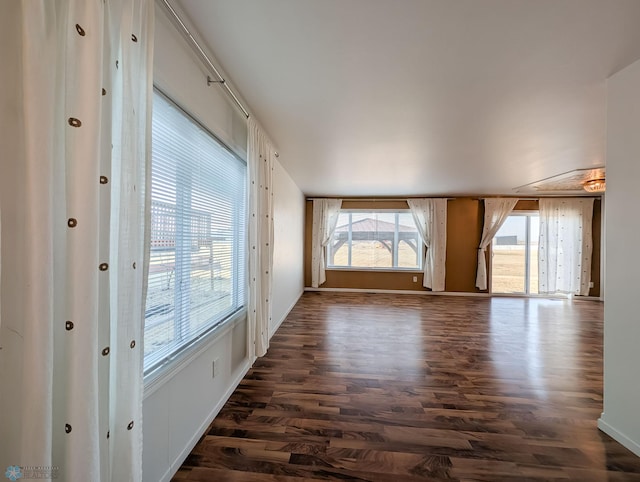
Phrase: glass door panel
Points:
(508, 264)
(534, 233)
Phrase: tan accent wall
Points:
(464, 229)
(526, 205)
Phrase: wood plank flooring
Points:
(377, 387)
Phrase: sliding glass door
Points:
(514, 255)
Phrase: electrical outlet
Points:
(214, 368)
(415, 279)
(590, 284)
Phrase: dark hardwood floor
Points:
(376, 387)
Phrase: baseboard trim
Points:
(166, 477)
(618, 436)
(399, 292)
(453, 293)
(175, 466)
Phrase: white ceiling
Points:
(424, 97)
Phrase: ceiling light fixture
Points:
(594, 185)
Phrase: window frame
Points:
(182, 351)
(420, 245)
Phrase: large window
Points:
(197, 243)
(375, 240)
(514, 255)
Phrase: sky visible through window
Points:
(515, 226)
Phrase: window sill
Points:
(374, 270)
(161, 375)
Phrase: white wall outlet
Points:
(215, 367)
(590, 284)
(415, 279)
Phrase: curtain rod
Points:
(520, 198)
(206, 58)
(379, 199)
(475, 198)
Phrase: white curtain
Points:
(430, 216)
(325, 218)
(496, 212)
(260, 153)
(565, 246)
(87, 84)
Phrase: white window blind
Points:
(197, 242)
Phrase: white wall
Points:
(178, 407)
(288, 242)
(181, 75)
(621, 416)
